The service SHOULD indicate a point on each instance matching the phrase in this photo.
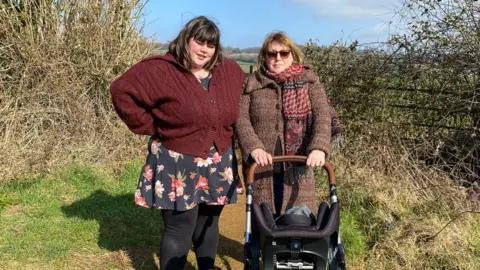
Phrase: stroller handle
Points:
(295, 159)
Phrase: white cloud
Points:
(353, 9)
(355, 15)
(380, 28)
(379, 32)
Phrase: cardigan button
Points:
(278, 106)
(212, 101)
(214, 128)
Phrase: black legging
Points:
(198, 225)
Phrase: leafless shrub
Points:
(418, 91)
(57, 59)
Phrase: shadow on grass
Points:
(123, 226)
(135, 230)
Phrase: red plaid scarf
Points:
(296, 107)
(296, 103)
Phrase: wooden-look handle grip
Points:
(296, 159)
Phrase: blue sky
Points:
(246, 23)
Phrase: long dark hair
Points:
(200, 29)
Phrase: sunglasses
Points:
(274, 54)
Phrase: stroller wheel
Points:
(338, 260)
(252, 253)
(252, 260)
(246, 265)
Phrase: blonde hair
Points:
(286, 41)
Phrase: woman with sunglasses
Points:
(284, 111)
(187, 101)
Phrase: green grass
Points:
(246, 66)
(355, 218)
(84, 217)
(82, 214)
(352, 237)
(50, 220)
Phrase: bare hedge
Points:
(57, 59)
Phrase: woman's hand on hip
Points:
(261, 157)
(316, 158)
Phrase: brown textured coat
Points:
(261, 122)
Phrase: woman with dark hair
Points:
(187, 101)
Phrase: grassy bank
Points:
(399, 221)
(80, 217)
(83, 217)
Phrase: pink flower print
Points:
(222, 200)
(139, 200)
(240, 189)
(190, 206)
(156, 147)
(172, 197)
(177, 186)
(159, 189)
(216, 158)
(148, 173)
(202, 183)
(175, 155)
(298, 129)
(179, 191)
(203, 162)
(227, 175)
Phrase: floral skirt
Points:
(170, 180)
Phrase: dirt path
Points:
(230, 246)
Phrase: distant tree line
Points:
(227, 49)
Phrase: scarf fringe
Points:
(294, 174)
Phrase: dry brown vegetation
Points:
(409, 110)
(57, 59)
(411, 119)
(417, 92)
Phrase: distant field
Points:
(246, 66)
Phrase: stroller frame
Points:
(295, 247)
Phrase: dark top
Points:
(205, 82)
(158, 96)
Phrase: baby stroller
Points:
(294, 241)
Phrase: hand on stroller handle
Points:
(293, 241)
(296, 159)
